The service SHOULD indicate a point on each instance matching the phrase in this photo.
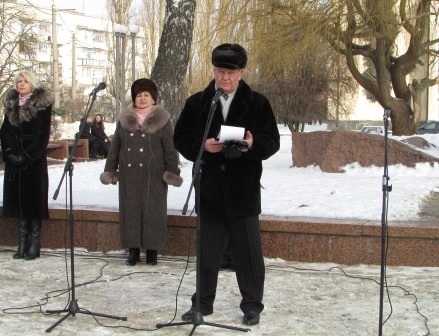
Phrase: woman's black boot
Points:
(35, 239)
(23, 238)
(151, 257)
(133, 257)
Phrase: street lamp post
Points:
(73, 66)
(55, 60)
(55, 56)
(123, 36)
(117, 73)
(120, 34)
(133, 30)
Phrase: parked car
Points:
(373, 129)
(431, 127)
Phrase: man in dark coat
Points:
(230, 198)
(24, 137)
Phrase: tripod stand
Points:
(386, 190)
(73, 307)
(197, 316)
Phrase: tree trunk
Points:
(293, 126)
(403, 120)
(173, 54)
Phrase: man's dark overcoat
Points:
(229, 187)
(26, 130)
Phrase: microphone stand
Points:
(384, 228)
(197, 316)
(73, 307)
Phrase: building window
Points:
(44, 27)
(98, 37)
(43, 48)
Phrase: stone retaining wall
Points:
(348, 241)
(331, 151)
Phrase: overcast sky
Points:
(95, 7)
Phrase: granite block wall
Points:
(347, 241)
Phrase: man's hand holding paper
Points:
(231, 141)
(234, 142)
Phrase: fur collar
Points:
(154, 121)
(41, 99)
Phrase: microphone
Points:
(219, 92)
(98, 88)
(387, 113)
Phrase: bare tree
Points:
(301, 81)
(18, 43)
(151, 21)
(391, 37)
(119, 12)
(170, 67)
(148, 16)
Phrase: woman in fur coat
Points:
(24, 136)
(142, 158)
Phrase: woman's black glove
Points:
(17, 160)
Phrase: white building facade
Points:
(85, 46)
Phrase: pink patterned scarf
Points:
(142, 113)
(23, 99)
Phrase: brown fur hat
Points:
(144, 84)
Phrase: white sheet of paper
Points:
(230, 133)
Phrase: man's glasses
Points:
(228, 73)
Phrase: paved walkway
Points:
(301, 299)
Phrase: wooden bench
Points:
(60, 149)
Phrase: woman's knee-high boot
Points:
(35, 239)
(23, 238)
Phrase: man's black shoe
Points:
(151, 257)
(251, 318)
(189, 314)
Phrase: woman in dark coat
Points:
(98, 131)
(142, 158)
(24, 137)
(85, 129)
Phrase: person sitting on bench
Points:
(98, 130)
(93, 143)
